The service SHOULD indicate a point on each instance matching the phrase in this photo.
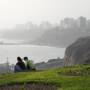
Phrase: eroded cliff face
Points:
(78, 52)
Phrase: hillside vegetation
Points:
(66, 78)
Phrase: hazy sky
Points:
(20, 11)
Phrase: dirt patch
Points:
(29, 87)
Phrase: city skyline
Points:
(14, 12)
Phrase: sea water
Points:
(34, 52)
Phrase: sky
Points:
(14, 12)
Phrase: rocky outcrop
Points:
(78, 52)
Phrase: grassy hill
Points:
(66, 78)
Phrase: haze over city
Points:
(14, 12)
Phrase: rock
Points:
(78, 52)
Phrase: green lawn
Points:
(66, 78)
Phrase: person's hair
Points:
(19, 59)
(25, 58)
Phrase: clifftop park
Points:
(73, 75)
(44, 44)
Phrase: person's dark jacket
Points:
(19, 67)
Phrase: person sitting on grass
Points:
(29, 64)
(20, 66)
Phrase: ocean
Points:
(33, 52)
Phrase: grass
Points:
(66, 78)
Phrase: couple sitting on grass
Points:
(21, 66)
